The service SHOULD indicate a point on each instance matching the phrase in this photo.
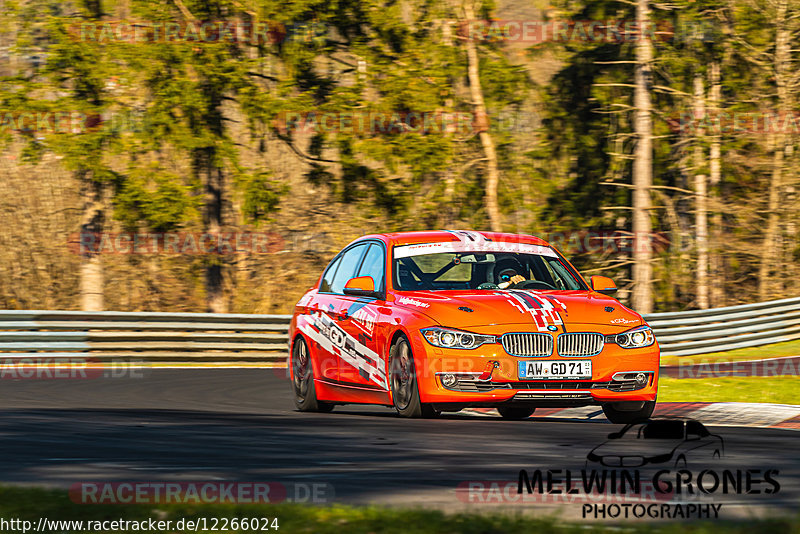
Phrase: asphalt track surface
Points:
(240, 424)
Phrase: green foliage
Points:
(155, 197)
(31, 504)
(262, 194)
(177, 114)
(351, 56)
(761, 389)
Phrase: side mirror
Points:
(603, 284)
(362, 286)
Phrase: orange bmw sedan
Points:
(438, 321)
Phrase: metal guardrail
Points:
(175, 337)
(150, 336)
(732, 327)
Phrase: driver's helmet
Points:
(507, 268)
(507, 274)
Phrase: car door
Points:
(335, 342)
(315, 324)
(362, 364)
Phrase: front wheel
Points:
(403, 377)
(515, 413)
(305, 394)
(620, 414)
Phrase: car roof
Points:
(438, 236)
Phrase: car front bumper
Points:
(488, 376)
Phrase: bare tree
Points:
(213, 184)
(782, 71)
(716, 267)
(700, 197)
(493, 174)
(643, 166)
(92, 223)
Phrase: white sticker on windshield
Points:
(407, 251)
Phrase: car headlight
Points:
(641, 336)
(449, 338)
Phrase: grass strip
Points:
(776, 350)
(771, 389)
(32, 503)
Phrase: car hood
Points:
(464, 309)
(637, 447)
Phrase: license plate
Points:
(555, 369)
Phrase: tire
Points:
(624, 417)
(515, 413)
(403, 381)
(305, 394)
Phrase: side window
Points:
(374, 265)
(561, 275)
(542, 272)
(347, 267)
(325, 286)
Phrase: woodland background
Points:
(572, 137)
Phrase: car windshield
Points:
(483, 270)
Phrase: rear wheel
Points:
(305, 394)
(403, 377)
(515, 412)
(620, 413)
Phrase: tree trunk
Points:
(446, 209)
(481, 119)
(772, 245)
(92, 223)
(642, 299)
(212, 223)
(8, 41)
(716, 262)
(700, 197)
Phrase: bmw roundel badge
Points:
(552, 328)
